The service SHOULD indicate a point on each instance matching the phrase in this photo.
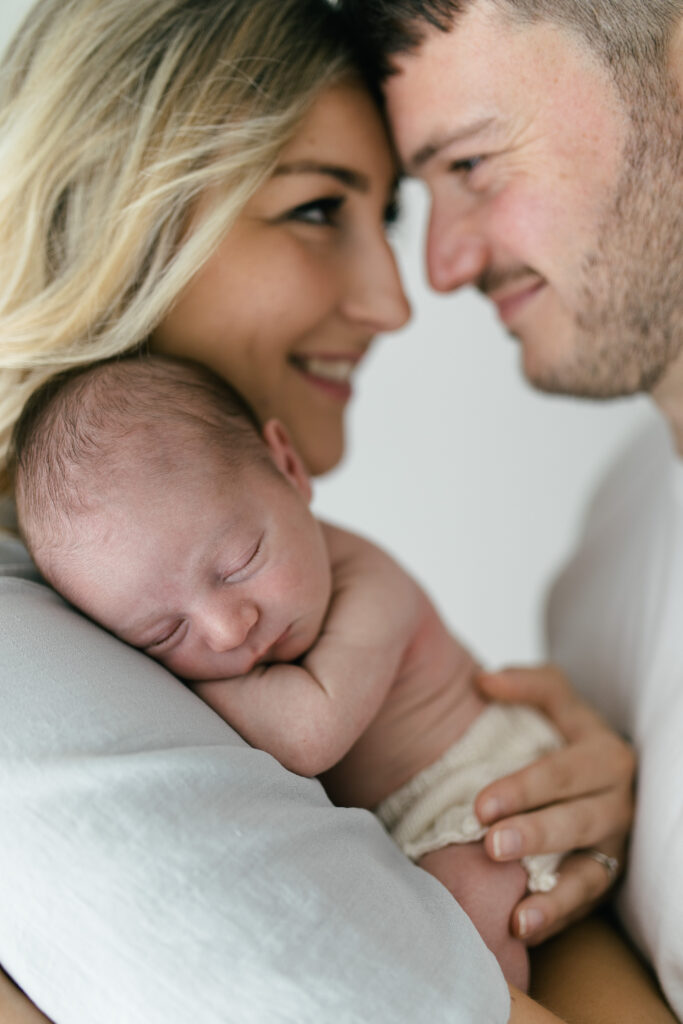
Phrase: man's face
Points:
(549, 196)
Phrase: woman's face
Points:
(288, 304)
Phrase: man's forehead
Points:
(447, 86)
(488, 72)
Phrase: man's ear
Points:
(286, 457)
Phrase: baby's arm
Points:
(308, 715)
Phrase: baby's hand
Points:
(578, 798)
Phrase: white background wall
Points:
(474, 481)
(11, 13)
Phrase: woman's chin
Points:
(323, 460)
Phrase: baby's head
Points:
(151, 499)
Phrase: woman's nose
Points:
(227, 624)
(375, 295)
(457, 251)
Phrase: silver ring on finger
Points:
(610, 864)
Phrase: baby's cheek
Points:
(291, 586)
(186, 664)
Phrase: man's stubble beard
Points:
(628, 326)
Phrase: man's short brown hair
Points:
(627, 34)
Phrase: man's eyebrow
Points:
(434, 146)
(352, 179)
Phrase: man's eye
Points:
(323, 212)
(465, 167)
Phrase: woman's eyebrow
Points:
(352, 179)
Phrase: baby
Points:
(152, 500)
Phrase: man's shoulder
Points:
(634, 480)
(603, 611)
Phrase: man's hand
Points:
(577, 798)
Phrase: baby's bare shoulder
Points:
(341, 542)
(365, 576)
(348, 549)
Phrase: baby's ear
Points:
(286, 457)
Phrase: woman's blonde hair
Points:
(115, 116)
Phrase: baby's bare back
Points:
(431, 703)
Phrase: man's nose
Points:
(228, 623)
(457, 250)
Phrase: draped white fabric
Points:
(154, 869)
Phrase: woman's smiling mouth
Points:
(333, 374)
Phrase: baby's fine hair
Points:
(87, 430)
(116, 116)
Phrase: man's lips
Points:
(511, 301)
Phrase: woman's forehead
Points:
(343, 134)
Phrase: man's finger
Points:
(582, 884)
(578, 824)
(547, 689)
(595, 766)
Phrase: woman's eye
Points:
(392, 212)
(323, 212)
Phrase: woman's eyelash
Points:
(392, 212)
(319, 211)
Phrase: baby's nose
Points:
(227, 628)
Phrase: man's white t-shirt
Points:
(615, 623)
